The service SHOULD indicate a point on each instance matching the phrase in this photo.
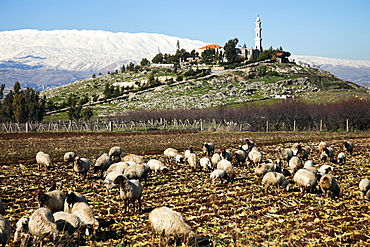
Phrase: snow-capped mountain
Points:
(43, 59)
(356, 71)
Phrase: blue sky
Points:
(327, 28)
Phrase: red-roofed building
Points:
(211, 46)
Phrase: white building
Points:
(249, 53)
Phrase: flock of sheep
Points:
(71, 213)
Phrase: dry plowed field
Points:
(235, 213)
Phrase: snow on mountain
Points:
(356, 71)
(48, 58)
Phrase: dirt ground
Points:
(235, 213)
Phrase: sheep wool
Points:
(209, 148)
(108, 181)
(218, 174)
(364, 187)
(115, 153)
(274, 179)
(193, 161)
(329, 185)
(102, 164)
(157, 166)
(348, 146)
(255, 156)
(43, 159)
(240, 156)
(167, 223)
(120, 166)
(86, 214)
(42, 224)
(137, 171)
(263, 168)
(133, 157)
(69, 222)
(69, 157)
(284, 153)
(81, 166)
(71, 199)
(305, 180)
(21, 231)
(215, 159)
(54, 200)
(130, 191)
(205, 164)
(341, 158)
(5, 230)
(295, 164)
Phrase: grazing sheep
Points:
(120, 167)
(227, 167)
(110, 177)
(327, 154)
(21, 231)
(43, 159)
(69, 157)
(275, 179)
(295, 164)
(364, 187)
(329, 185)
(325, 169)
(263, 168)
(193, 161)
(102, 164)
(157, 166)
(137, 171)
(69, 222)
(81, 166)
(215, 159)
(133, 157)
(225, 154)
(308, 165)
(240, 156)
(249, 144)
(300, 151)
(341, 158)
(218, 174)
(86, 214)
(71, 199)
(167, 223)
(321, 146)
(209, 148)
(255, 156)
(5, 230)
(173, 153)
(348, 146)
(54, 200)
(205, 164)
(305, 180)
(115, 153)
(2, 208)
(130, 191)
(284, 153)
(42, 224)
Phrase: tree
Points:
(130, 66)
(144, 62)
(229, 48)
(2, 87)
(17, 87)
(208, 55)
(87, 113)
(158, 58)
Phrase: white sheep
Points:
(21, 231)
(167, 223)
(187, 152)
(321, 146)
(284, 154)
(120, 166)
(86, 214)
(218, 174)
(109, 179)
(341, 159)
(305, 180)
(348, 146)
(133, 157)
(209, 148)
(300, 151)
(115, 153)
(43, 159)
(261, 169)
(205, 164)
(137, 171)
(215, 159)
(325, 169)
(5, 230)
(193, 161)
(309, 165)
(329, 185)
(102, 164)
(130, 191)
(327, 154)
(173, 153)
(295, 164)
(157, 166)
(69, 157)
(54, 200)
(227, 167)
(69, 222)
(275, 179)
(364, 187)
(240, 156)
(81, 166)
(248, 145)
(255, 156)
(42, 224)
(71, 199)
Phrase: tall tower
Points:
(258, 38)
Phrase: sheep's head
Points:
(71, 198)
(40, 197)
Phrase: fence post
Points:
(110, 126)
(347, 125)
(294, 125)
(320, 124)
(201, 125)
(267, 126)
(27, 127)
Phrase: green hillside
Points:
(161, 88)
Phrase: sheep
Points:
(240, 156)
(295, 164)
(300, 151)
(284, 153)
(263, 168)
(102, 164)
(167, 223)
(249, 144)
(5, 230)
(86, 214)
(69, 157)
(215, 159)
(137, 171)
(205, 164)
(69, 222)
(2, 208)
(364, 187)
(329, 185)
(173, 153)
(120, 166)
(308, 165)
(54, 200)
(209, 148)
(321, 146)
(327, 154)
(115, 153)
(193, 161)
(42, 224)
(130, 191)
(218, 174)
(275, 179)
(71, 199)
(110, 177)
(21, 231)
(348, 146)
(225, 154)
(157, 166)
(325, 169)
(255, 156)
(227, 167)
(133, 157)
(81, 166)
(306, 180)
(341, 159)
(43, 159)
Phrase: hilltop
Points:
(255, 82)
